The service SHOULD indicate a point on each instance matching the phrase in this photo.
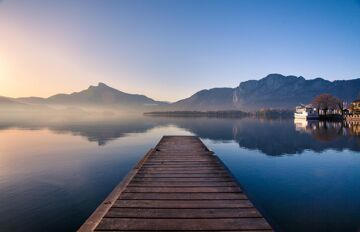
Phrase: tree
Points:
(324, 102)
(340, 105)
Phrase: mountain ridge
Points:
(101, 94)
(274, 91)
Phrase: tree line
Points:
(326, 102)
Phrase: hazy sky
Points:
(170, 49)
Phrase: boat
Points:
(306, 112)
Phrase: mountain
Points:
(100, 95)
(212, 99)
(272, 91)
(278, 91)
(13, 105)
(8, 103)
(4, 101)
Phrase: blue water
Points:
(302, 176)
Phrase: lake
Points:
(303, 176)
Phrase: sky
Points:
(169, 49)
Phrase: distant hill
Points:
(14, 105)
(212, 99)
(99, 96)
(9, 102)
(273, 91)
(209, 114)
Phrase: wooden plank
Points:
(182, 175)
(181, 184)
(183, 213)
(159, 152)
(183, 224)
(191, 154)
(184, 168)
(183, 189)
(177, 160)
(183, 196)
(180, 159)
(180, 179)
(189, 230)
(194, 160)
(186, 204)
(180, 165)
(184, 171)
(183, 156)
(176, 164)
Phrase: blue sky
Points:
(170, 49)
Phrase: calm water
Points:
(54, 173)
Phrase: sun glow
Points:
(2, 71)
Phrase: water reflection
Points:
(102, 130)
(272, 137)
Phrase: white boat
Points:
(306, 112)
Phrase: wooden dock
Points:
(178, 186)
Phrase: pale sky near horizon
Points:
(169, 49)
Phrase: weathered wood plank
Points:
(181, 152)
(183, 189)
(183, 224)
(183, 196)
(178, 164)
(183, 213)
(181, 184)
(183, 168)
(269, 230)
(185, 204)
(190, 154)
(183, 156)
(179, 159)
(183, 175)
(185, 161)
(181, 179)
(184, 171)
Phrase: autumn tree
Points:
(340, 105)
(324, 102)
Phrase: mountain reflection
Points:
(272, 137)
(101, 130)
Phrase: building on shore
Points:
(355, 107)
(309, 112)
(354, 111)
(306, 112)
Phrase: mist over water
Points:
(57, 168)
